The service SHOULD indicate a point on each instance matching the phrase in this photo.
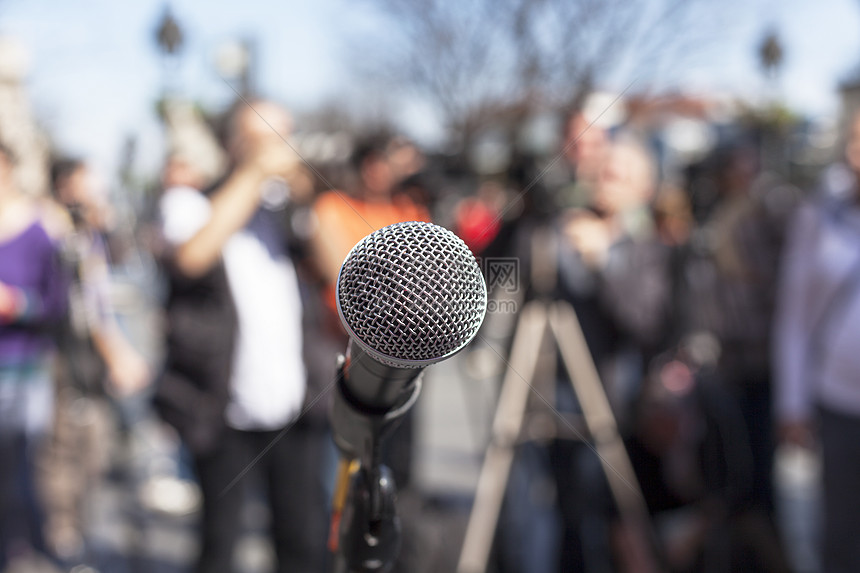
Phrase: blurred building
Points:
(18, 129)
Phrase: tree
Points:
(485, 61)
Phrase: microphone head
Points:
(411, 294)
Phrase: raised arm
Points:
(232, 206)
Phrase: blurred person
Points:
(598, 251)
(86, 250)
(33, 289)
(734, 261)
(816, 362)
(73, 186)
(614, 241)
(96, 359)
(729, 284)
(614, 271)
(235, 379)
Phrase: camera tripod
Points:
(539, 320)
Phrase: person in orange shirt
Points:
(344, 218)
(376, 199)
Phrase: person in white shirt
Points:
(816, 357)
(235, 378)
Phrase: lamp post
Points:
(170, 40)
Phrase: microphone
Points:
(409, 295)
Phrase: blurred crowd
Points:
(716, 300)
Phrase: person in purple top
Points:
(32, 302)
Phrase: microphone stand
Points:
(365, 527)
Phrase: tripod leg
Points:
(604, 431)
(506, 430)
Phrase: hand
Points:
(128, 372)
(301, 184)
(798, 433)
(9, 303)
(271, 159)
(590, 236)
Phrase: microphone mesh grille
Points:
(412, 292)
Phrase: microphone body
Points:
(409, 295)
(373, 386)
(371, 397)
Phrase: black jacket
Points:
(194, 388)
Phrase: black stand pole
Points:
(365, 535)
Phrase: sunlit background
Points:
(95, 70)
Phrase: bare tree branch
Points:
(482, 61)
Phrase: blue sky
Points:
(95, 72)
